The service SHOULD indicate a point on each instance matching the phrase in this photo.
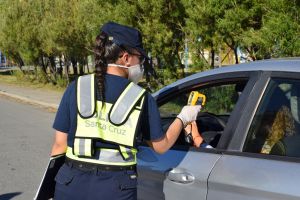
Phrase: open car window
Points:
(221, 99)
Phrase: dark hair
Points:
(105, 52)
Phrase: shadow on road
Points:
(9, 196)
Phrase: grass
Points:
(12, 79)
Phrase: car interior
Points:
(221, 99)
(275, 127)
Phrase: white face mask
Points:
(135, 72)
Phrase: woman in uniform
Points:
(100, 117)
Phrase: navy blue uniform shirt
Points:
(66, 116)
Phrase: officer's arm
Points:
(167, 141)
(60, 143)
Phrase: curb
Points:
(30, 101)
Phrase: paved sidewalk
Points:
(37, 96)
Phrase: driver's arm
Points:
(197, 138)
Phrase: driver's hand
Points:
(193, 129)
(189, 114)
(188, 128)
(196, 135)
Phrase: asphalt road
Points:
(26, 137)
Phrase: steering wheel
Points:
(220, 121)
(211, 136)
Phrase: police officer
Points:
(101, 115)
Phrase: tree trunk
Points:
(67, 66)
(236, 55)
(18, 59)
(87, 64)
(53, 69)
(44, 67)
(81, 67)
(212, 53)
(74, 64)
(181, 65)
(35, 72)
(60, 69)
(202, 55)
(159, 67)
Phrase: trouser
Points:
(73, 184)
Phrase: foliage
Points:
(220, 99)
(57, 34)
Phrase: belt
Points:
(84, 166)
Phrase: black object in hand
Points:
(188, 138)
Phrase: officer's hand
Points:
(189, 114)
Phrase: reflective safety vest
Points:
(110, 123)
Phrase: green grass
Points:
(15, 79)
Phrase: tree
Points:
(10, 30)
(239, 17)
(52, 33)
(279, 34)
(201, 25)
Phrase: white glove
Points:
(189, 114)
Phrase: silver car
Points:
(252, 121)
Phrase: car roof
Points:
(281, 65)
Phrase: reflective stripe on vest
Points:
(125, 103)
(111, 123)
(83, 147)
(86, 95)
(106, 157)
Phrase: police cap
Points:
(124, 35)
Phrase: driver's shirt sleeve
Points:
(151, 127)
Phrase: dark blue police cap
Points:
(124, 35)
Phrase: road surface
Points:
(26, 137)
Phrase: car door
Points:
(262, 161)
(183, 171)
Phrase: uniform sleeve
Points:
(151, 124)
(62, 118)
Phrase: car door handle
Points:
(180, 176)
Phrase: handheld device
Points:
(195, 98)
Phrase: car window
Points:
(275, 126)
(220, 101)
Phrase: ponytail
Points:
(100, 63)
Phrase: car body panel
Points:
(249, 178)
(154, 174)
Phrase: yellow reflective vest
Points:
(110, 123)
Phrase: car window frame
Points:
(238, 140)
(251, 76)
